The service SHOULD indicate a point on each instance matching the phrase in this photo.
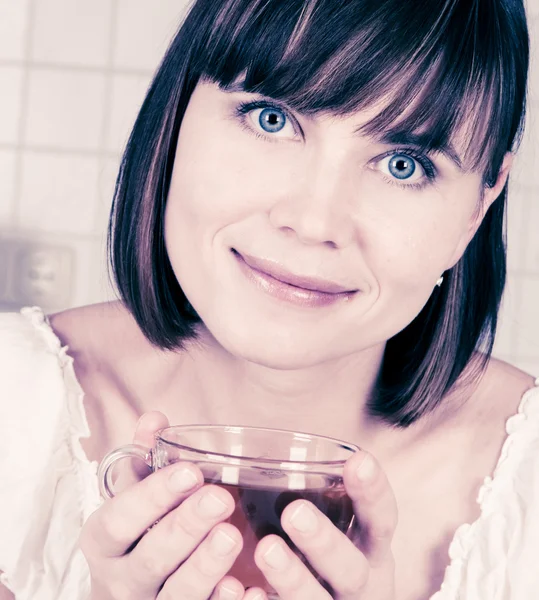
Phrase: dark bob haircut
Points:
(439, 67)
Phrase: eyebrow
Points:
(389, 138)
(238, 87)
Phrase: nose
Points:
(317, 208)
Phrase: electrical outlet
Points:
(36, 274)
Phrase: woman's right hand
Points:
(186, 555)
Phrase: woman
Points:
(307, 233)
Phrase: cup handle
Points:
(104, 473)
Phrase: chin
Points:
(282, 348)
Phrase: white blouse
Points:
(49, 487)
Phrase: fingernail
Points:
(211, 506)
(276, 557)
(227, 594)
(221, 543)
(367, 469)
(182, 480)
(304, 519)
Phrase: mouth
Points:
(273, 279)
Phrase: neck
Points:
(329, 398)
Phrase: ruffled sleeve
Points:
(48, 488)
(496, 557)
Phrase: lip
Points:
(312, 284)
(290, 292)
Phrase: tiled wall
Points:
(518, 337)
(72, 75)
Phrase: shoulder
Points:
(110, 353)
(497, 395)
(480, 407)
(101, 338)
(490, 398)
(91, 330)
(497, 398)
(502, 544)
(105, 342)
(503, 386)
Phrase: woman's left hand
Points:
(357, 568)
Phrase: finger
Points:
(375, 506)
(285, 572)
(255, 594)
(119, 522)
(167, 545)
(133, 470)
(148, 424)
(228, 588)
(331, 554)
(197, 578)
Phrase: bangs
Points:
(439, 71)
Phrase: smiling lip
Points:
(275, 271)
(290, 289)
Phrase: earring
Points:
(440, 281)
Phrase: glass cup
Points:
(263, 469)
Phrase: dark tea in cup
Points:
(258, 513)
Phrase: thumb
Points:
(147, 426)
(133, 470)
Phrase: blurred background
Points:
(73, 74)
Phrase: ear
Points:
(490, 194)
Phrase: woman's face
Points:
(315, 200)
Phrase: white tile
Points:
(72, 31)
(528, 366)
(107, 180)
(531, 253)
(7, 186)
(526, 166)
(527, 333)
(128, 92)
(10, 103)
(144, 30)
(13, 28)
(59, 193)
(65, 109)
(517, 212)
(533, 27)
(505, 344)
(532, 8)
(90, 281)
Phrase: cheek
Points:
(411, 246)
(216, 183)
(426, 247)
(222, 174)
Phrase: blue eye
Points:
(402, 166)
(268, 121)
(272, 120)
(406, 168)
